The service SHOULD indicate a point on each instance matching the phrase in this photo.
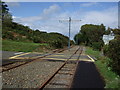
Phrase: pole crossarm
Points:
(69, 21)
(76, 20)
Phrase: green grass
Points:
(92, 52)
(110, 77)
(8, 45)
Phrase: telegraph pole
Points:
(70, 20)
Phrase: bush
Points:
(97, 45)
(113, 52)
(56, 44)
(105, 50)
(8, 35)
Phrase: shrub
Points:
(56, 44)
(97, 45)
(8, 35)
(105, 50)
(113, 52)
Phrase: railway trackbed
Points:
(35, 74)
(19, 63)
(68, 69)
(62, 78)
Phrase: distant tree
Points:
(116, 31)
(91, 35)
(108, 31)
(79, 38)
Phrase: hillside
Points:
(17, 32)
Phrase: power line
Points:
(69, 21)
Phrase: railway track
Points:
(18, 64)
(63, 76)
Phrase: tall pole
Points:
(69, 32)
(70, 20)
(119, 15)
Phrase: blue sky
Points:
(45, 16)
(35, 8)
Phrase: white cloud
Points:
(52, 9)
(50, 23)
(46, 15)
(11, 0)
(107, 17)
(88, 4)
(13, 4)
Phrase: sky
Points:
(46, 16)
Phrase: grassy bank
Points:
(8, 45)
(110, 77)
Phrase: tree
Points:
(91, 35)
(6, 16)
(79, 38)
(116, 31)
(108, 31)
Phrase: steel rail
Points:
(76, 67)
(55, 51)
(51, 77)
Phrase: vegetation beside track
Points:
(102, 62)
(9, 45)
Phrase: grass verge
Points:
(110, 77)
(8, 45)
